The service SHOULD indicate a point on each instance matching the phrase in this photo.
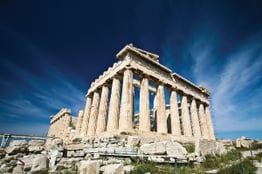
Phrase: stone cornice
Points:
(60, 114)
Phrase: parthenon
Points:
(138, 94)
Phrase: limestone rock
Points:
(226, 143)
(16, 146)
(35, 149)
(156, 159)
(243, 142)
(147, 140)
(74, 146)
(158, 148)
(220, 148)
(18, 170)
(112, 161)
(11, 150)
(204, 146)
(78, 153)
(28, 162)
(113, 169)
(58, 147)
(40, 165)
(133, 140)
(88, 167)
(175, 149)
(54, 155)
(36, 143)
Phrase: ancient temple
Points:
(167, 102)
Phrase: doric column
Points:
(101, 119)
(144, 108)
(113, 113)
(209, 124)
(161, 110)
(126, 112)
(203, 123)
(195, 120)
(85, 121)
(174, 114)
(93, 115)
(79, 123)
(185, 117)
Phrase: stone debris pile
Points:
(102, 155)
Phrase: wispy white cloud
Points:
(35, 88)
(235, 84)
(33, 103)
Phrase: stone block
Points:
(35, 149)
(75, 146)
(176, 150)
(205, 146)
(243, 142)
(226, 143)
(78, 153)
(88, 167)
(28, 162)
(133, 140)
(113, 169)
(220, 148)
(158, 148)
(36, 143)
(11, 150)
(147, 140)
(40, 165)
(18, 170)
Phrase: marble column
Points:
(161, 110)
(113, 113)
(79, 123)
(209, 124)
(126, 111)
(203, 123)
(85, 121)
(174, 114)
(144, 108)
(93, 115)
(195, 120)
(101, 119)
(185, 117)
(155, 106)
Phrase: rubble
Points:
(107, 155)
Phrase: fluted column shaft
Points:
(85, 121)
(101, 119)
(174, 114)
(93, 115)
(185, 117)
(195, 120)
(209, 124)
(144, 108)
(113, 113)
(79, 123)
(203, 123)
(126, 112)
(161, 110)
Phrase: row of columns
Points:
(120, 115)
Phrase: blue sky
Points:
(50, 52)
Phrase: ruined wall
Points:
(62, 124)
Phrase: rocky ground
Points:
(104, 155)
